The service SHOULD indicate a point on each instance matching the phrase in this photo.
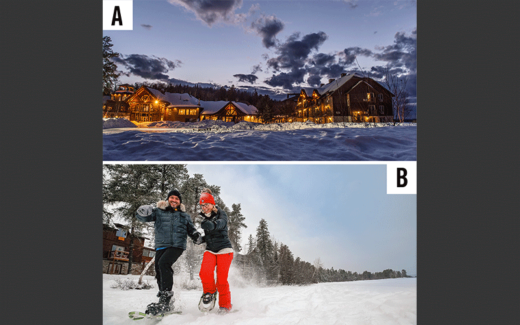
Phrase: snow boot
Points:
(164, 305)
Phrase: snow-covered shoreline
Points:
(388, 301)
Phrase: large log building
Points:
(351, 98)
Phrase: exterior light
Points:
(156, 101)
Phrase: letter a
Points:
(117, 16)
(401, 176)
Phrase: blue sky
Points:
(276, 46)
(340, 213)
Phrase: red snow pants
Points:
(207, 276)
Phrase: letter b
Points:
(401, 177)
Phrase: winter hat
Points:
(206, 197)
(176, 193)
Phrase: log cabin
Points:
(229, 111)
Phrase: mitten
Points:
(145, 210)
(208, 225)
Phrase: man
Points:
(172, 226)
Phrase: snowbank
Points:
(255, 142)
(112, 123)
(221, 126)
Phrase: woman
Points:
(219, 253)
(172, 226)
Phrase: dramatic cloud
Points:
(350, 54)
(286, 80)
(402, 53)
(293, 53)
(267, 27)
(294, 61)
(251, 78)
(214, 11)
(322, 59)
(145, 26)
(257, 68)
(147, 67)
(292, 57)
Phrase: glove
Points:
(145, 210)
(163, 204)
(208, 225)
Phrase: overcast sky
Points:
(270, 45)
(340, 213)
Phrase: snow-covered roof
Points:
(176, 99)
(247, 109)
(211, 107)
(333, 86)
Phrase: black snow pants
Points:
(164, 259)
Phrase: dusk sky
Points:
(275, 46)
(339, 213)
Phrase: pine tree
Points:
(126, 188)
(110, 75)
(235, 224)
(286, 265)
(263, 243)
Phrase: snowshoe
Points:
(207, 301)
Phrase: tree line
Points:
(263, 259)
(271, 262)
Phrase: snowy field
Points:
(388, 302)
(245, 141)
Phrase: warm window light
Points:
(156, 101)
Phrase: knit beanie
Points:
(176, 193)
(206, 197)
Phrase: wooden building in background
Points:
(151, 105)
(229, 111)
(116, 248)
(351, 98)
(117, 105)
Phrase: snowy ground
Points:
(388, 302)
(245, 141)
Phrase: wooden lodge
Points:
(229, 111)
(117, 104)
(116, 246)
(149, 105)
(351, 98)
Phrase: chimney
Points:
(331, 80)
(287, 96)
(343, 74)
(322, 85)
